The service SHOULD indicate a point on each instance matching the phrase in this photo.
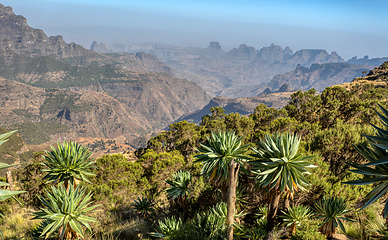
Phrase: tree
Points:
(5, 194)
(65, 206)
(70, 163)
(221, 159)
(279, 168)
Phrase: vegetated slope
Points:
(14, 150)
(329, 124)
(241, 105)
(230, 74)
(140, 85)
(44, 114)
(318, 76)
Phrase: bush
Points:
(308, 230)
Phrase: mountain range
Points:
(246, 71)
(54, 90)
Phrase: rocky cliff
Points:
(83, 93)
(318, 76)
(234, 73)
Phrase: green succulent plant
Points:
(168, 227)
(332, 211)
(179, 185)
(66, 209)
(217, 155)
(144, 207)
(375, 171)
(68, 164)
(295, 216)
(279, 168)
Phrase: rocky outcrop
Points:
(17, 36)
(367, 61)
(318, 76)
(105, 95)
(243, 71)
(100, 48)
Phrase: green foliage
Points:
(36, 232)
(179, 185)
(5, 194)
(117, 179)
(308, 230)
(68, 164)
(66, 209)
(159, 166)
(144, 207)
(11, 148)
(217, 155)
(331, 211)
(168, 228)
(204, 226)
(30, 179)
(295, 216)
(375, 170)
(277, 163)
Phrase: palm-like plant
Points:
(144, 207)
(221, 159)
(331, 210)
(5, 194)
(375, 171)
(295, 216)
(179, 185)
(218, 154)
(279, 168)
(68, 164)
(66, 209)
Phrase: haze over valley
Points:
(122, 90)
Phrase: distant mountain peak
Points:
(214, 45)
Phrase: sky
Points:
(349, 27)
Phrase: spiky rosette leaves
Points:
(331, 211)
(277, 163)
(179, 185)
(295, 216)
(66, 210)
(144, 207)
(168, 227)
(69, 163)
(217, 155)
(375, 171)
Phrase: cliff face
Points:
(234, 73)
(318, 76)
(104, 95)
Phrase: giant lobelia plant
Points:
(279, 168)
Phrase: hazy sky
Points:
(349, 27)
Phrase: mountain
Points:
(233, 73)
(367, 61)
(318, 76)
(68, 91)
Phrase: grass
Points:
(17, 223)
